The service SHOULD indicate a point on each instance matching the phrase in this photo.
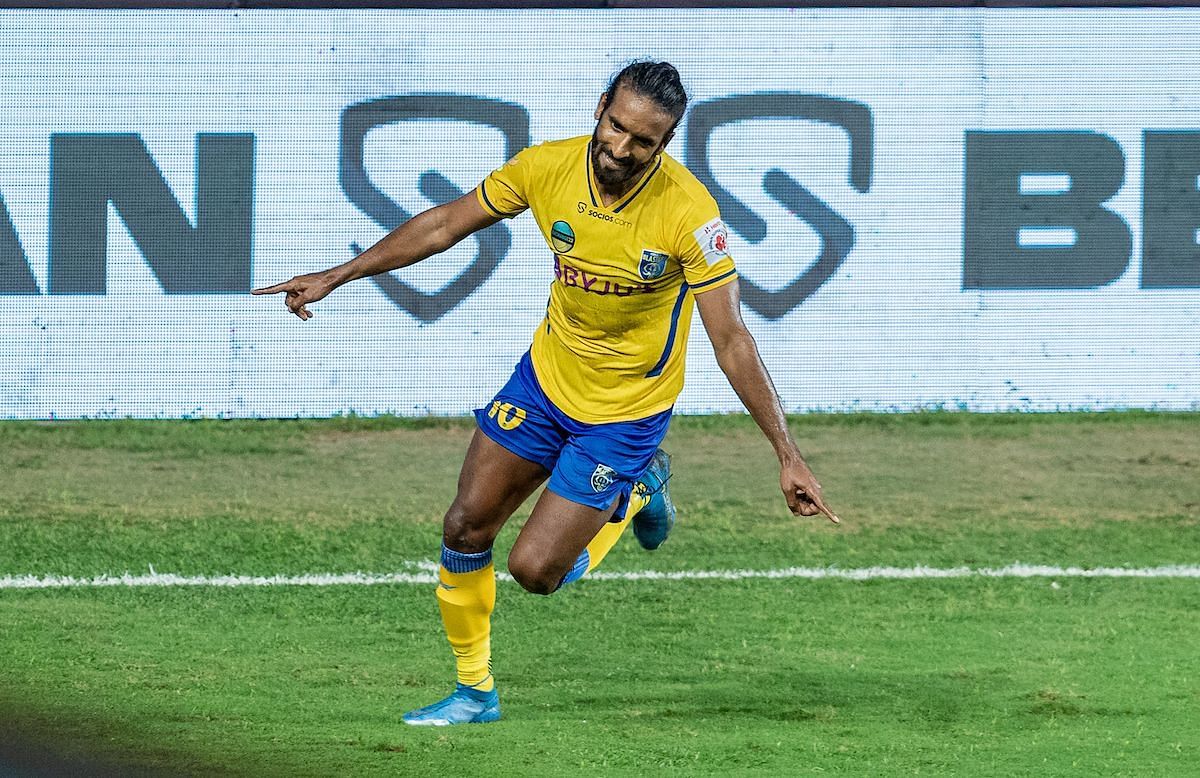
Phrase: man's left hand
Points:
(802, 491)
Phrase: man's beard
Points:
(620, 177)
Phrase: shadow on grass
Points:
(43, 744)
(1051, 703)
(930, 699)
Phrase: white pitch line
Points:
(1018, 570)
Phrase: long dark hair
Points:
(657, 80)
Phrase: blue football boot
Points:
(653, 522)
(465, 706)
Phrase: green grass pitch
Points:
(970, 677)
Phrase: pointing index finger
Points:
(821, 506)
(816, 499)
(274, 289)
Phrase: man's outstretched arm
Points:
(424, 235)
(738, 356)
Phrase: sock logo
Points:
(602, 478)
(507, 415)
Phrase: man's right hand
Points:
(427, 233)
(301, 290)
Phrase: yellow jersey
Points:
(613, 343)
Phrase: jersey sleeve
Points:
(504, 193)
(704, 249)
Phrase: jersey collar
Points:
(618, 205)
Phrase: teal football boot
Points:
(465, 706)
(653, 522)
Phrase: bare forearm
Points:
(418, 238)
(738, 357)
(742, 365)
(422, 236)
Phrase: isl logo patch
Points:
(653, 264)
(602, 478)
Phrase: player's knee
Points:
(466, 530)
(532, 575)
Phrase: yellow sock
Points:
(607, 537)
(637, 500)
(466, 600)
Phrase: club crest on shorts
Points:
(602, 478)
(652, 265)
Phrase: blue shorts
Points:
(591, 464)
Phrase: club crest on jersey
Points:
(562, 237)
(652, 265)
(602, 478)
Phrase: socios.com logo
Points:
(835, 232)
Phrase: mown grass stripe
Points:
(1016, 570)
